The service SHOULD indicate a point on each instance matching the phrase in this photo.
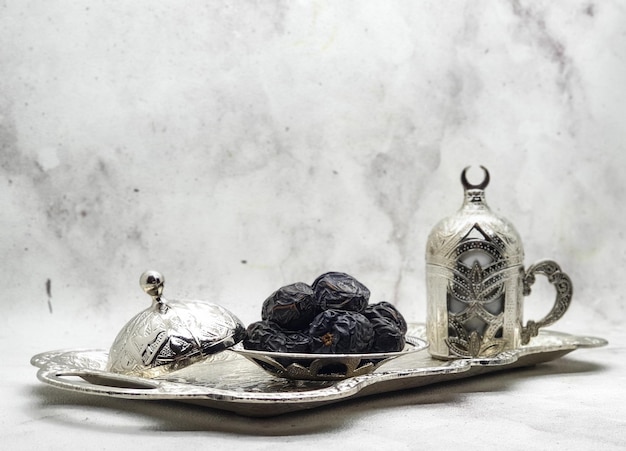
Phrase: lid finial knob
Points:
(151, 283)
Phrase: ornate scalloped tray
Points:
(229, 381)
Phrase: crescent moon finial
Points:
(482, 185)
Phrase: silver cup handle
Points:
(564, 290)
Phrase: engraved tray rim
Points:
(410, 371)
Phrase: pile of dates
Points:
(331, 316)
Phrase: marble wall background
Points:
(241, 146)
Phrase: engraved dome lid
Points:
(171, 334)
(474, 232)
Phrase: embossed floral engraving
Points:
(476, 296)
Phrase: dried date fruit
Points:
(267, 336)
(386, 310)
(387, 336)
(340, 332)
(340, 291)
(291, 307)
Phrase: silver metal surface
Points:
(564, 291)
(325, 367)
(228, 381)
(171, 334)
(476, 282)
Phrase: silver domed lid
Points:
(171, 334)
(474, 233)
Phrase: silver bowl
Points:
(325, 367)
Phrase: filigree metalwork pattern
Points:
(475, 296)
(564, 292)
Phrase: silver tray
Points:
(229, 381)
